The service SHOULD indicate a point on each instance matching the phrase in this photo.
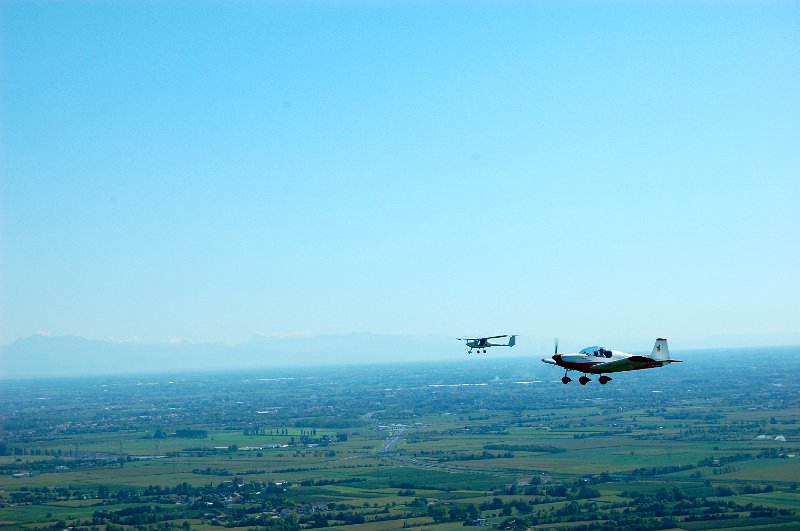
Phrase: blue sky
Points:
(210, 171)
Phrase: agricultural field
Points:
(708, 444)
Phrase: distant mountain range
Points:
(46, 356)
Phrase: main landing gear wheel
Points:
(566, 379)
(604, 379)
(584, 380)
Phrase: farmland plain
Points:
(711, 443)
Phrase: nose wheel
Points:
(566, 379)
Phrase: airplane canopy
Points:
(596, 351)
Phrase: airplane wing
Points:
(479, 338)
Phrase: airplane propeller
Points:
(556, 346)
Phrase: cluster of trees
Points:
(320, 441)
(191, 434)
(538, 448)
(322, 519)
(329, 422)
(663, 509)
(628, 522)
(659, 470)
(331, 481)
(456, 512)
(493, 429)
(725, 459)
(144, 514)
(600, 434)
(23, 450)
(474, 457)
(579, 490)
(714, 462)
(180, 433)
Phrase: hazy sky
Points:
(214, 170)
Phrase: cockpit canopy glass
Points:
(596, 351)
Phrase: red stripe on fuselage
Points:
(583, 367)
(574, 365)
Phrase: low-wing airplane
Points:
(484, 343)
(599, 360)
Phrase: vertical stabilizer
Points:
(512, 341)
(660, 350)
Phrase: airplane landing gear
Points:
(484, 351)
(604, 380)
(566, 379)
(584, 380)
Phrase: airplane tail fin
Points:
(512, 341)
(660, 350)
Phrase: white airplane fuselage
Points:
(599, 360)
(484, 343)
(590, 363)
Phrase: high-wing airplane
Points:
(484, 343)
(599, 360)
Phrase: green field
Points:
(398, 453)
